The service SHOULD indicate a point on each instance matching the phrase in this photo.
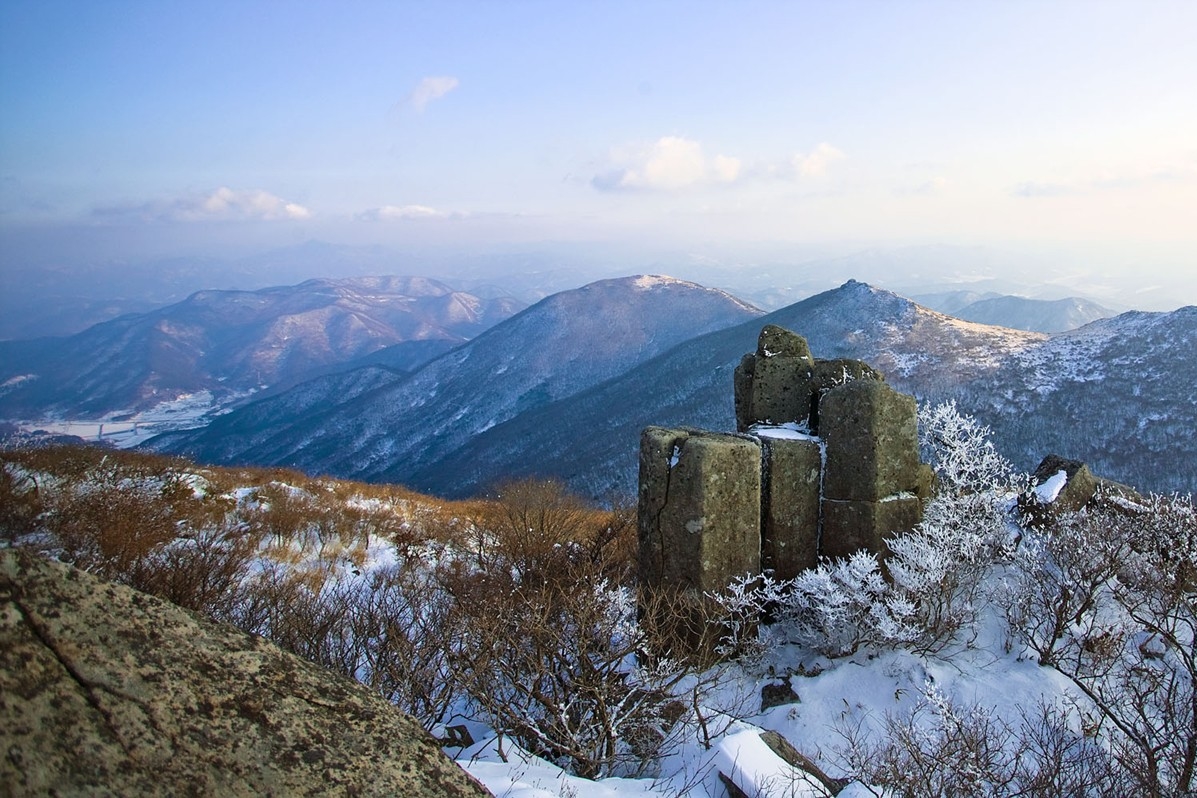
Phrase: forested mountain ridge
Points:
(562, 345)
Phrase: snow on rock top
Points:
(1047, 491)
(788, 431)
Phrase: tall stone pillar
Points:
(699, 519)
(792, 475)
(699, 512)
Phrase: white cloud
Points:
(670, 164)
(817, 161)
(726, 169)
(396, 212)
(927, 188)
(430, 89)
(1034, 190)
(222, 204)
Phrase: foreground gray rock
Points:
(107, 691)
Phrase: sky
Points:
(160, 127)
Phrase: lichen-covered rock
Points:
(773, 385)
(105, 691)
(792, 474)
(699, 512)
(871, 432)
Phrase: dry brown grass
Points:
(285, 555)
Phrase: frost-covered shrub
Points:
(839, 606)
(927, 593)
(958, 447)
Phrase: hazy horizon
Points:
(1066, 132)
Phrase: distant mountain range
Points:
(560, 346)
(231, 342)
(564, 388)
(1019, 313)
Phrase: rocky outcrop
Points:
(1060, 485)
(107, 691)
(825, 463)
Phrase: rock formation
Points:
(107, 691)
(825, 463)
(1062, 486)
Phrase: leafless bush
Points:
(20, 501)
(554, 664)
(941, 748)
(406, 624)
(205, 572)
(550, 651)
(1115, 611)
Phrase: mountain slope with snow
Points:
(1041, 394)
(592, 440)
(555, 349)
(519, 401)
(231, 342)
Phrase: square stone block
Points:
(871, 433)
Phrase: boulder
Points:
(1060, 485)
(105, 691)
(1067, 485)
(773, 385)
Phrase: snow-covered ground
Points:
(834, 707)
(125, 429)
(850, 695)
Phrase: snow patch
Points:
(753, 767)
(646, 282)
(1048, 490)
(790, 431)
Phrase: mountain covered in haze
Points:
(1036, 315)
(231, 342)
(552, 392)
(1016, 312)
(559, 347)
